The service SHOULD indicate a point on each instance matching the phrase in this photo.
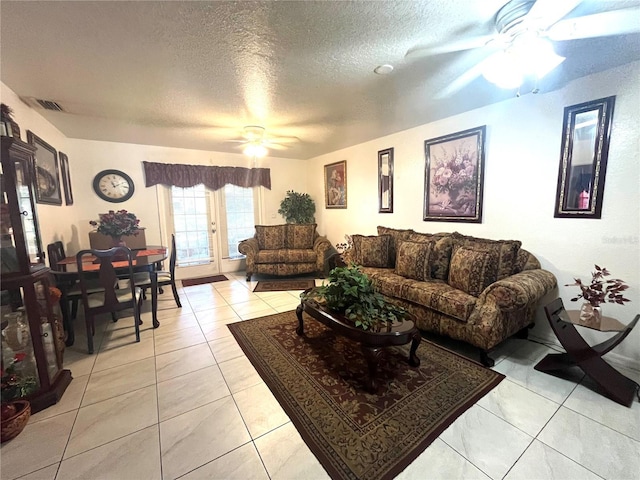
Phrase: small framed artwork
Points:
(335, 185)
(586, 130)
(66, 178)
(45, 171)
(385, 181)
(454, 175)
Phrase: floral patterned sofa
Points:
(476, 290)
(288, 249)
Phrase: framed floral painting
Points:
(454, 175)
(335, 185)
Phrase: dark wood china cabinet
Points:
(31, 339)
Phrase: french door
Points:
(194, 222)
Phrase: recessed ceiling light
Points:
(383, 69)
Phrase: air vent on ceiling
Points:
(49, 105)
(46, 104)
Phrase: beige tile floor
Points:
(186, 403)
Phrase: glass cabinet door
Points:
(26, 204)
(19, 234)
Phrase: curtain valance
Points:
(212, 177)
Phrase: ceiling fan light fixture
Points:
(503, 70)
(528, 55)
(536, 54)
(255, 149)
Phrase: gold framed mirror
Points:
(586, 130)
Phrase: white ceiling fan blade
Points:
(616, 22)
(545, 13)
(448, 47)
(280, 140)
(463, 80)
(276, 146)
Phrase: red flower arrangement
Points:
(601, 290)
(117, 224)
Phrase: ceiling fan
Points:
(523, 44)
(255, 142)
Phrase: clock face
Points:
(113, 186)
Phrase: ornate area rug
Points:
(283, 285)
(319, 381)
(187, 282)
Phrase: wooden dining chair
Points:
(69, 287)
(143, 279)
(112, 299)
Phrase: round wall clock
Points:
(113, 186)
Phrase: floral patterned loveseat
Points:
(288, 249)
(476, 290)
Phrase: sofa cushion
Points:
(396, 236)
(284, 255)
(473, 270)
(412, 260)
(441, 297)
(441, 253)
(506, 251)
(372, 251)
(271, 237)
(434, 294)
(299, 235)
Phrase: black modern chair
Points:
(143, 279)
(111, 299)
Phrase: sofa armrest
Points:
(249, 247)
(520, 290)
(321, 245)
(507, 306)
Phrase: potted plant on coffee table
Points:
(351, 293)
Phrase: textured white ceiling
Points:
(192, 74)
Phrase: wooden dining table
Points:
(148, 259)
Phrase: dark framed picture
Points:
(454, 175)
(66, 178)
(46, 175)
(385, 181)
(586, 130)
(335, 185)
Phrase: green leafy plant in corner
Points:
(297, 208)
(351, 292)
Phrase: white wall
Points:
(521, 170)
(70, 224)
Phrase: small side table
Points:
(614, 385)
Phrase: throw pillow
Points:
(413, 260)
(441, 254)
(396, 237)
(506, 251)
(300, 236)
(472, 270)
(372, 251)
(270, 237)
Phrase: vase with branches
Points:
(599, 291)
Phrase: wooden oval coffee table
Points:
(371, 342)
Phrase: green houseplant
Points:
(351, 292)
(297, 208)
